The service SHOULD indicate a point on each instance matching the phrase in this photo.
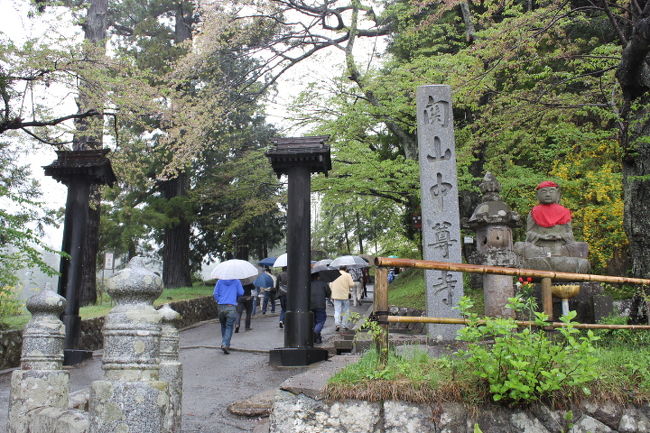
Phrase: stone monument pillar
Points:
(440, 213)
(131, 398)
(171, 370)
(493, 221)
(41, 381)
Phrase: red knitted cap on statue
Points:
(547, 184)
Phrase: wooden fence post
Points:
(547, 298)
(381, 313)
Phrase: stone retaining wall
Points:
(300, 413)
(405, 327)
(300, 407)
(11, 343)
(192, 311)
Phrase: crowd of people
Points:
(234, 299)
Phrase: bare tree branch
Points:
(18, 123)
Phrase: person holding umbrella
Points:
(226, 293)
(320, 291)
(266, 287)
(281, 288)
(341, 297)
(245, 303)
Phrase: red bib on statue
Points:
(549, 215)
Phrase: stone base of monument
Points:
(53, 392)
(295, 356)
(576, 265)
(119, 406)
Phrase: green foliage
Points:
(527, 365)
(533, 96)
(621, 375)
(22, 219)
(621, 338)
(10, 305)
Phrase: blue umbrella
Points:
(267, 261)
(263, 280)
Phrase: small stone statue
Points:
(550, 244)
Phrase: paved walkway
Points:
(211, 379)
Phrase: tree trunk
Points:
(242, 250)
(345, 230)
(89, 136)
(636, 196)
(176, 243)
(359, 234)
(633, 75)
(176, 240)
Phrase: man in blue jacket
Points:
(226, 293)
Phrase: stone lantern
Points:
(493, 221)
(298, 157)
(78, 170)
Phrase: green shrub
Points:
(10, 304)
(526, 365)
(628, 338)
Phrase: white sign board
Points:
(108, 261)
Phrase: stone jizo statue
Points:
(550, 244)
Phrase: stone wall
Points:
(195, 310)
(301, 413)
(11, 343)
(405, 327)
(192, 311)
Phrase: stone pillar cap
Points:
(46, 301)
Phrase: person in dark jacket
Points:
(320, 291)
(245, 302)
(281, 288)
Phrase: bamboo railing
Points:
(380, 305)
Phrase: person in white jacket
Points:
(341, 297)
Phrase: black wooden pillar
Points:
(78, 170)
(298, 157)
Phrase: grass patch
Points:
(623, 377)
(408, 290)
(105, 303)
(417, 378)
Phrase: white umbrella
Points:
(352, 261)
(281, 261)
(234, 269)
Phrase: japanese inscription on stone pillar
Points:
(440, 214)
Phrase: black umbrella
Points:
(326, 273)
